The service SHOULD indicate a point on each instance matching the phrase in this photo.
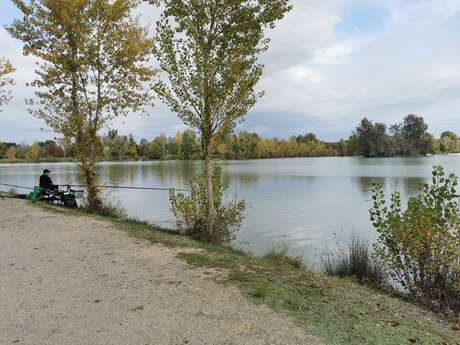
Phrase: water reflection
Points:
(407, 186)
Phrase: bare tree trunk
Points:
(211, 212)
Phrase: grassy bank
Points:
(338, 310)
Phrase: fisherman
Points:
(46, 182)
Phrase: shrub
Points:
(190, 211)
(420, 245)
(354, 259)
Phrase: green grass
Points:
(340, 311)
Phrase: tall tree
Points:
(364, 137)
(210, 50)
(417, 140)
(94, 67)
(6, 68)
(372, 139)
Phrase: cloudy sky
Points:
(331, 62)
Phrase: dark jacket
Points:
(46, 182)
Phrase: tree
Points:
(449, 142)
(52, 149)
(209, 50)
(133, 149)
(34, 152)
(416, 138)
(94, 68)
(188, 145)
(372, 138)
(11, 154)
(247, 145)
(363, 134)
(6, 68)
(158, 147)
(309, 137)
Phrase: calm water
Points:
(303, 203)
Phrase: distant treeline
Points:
(183, 146)
(186, 146)
(369, 139)
(409, 138)
(47, 150)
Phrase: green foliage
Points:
(244, 145)
(210, 54)
(449, 143)
(119, 147)
(93, 67)
(11, 154)
(354, 259)
(190, 211)
(6, 68)
(49, 150)
(407, 139)
(420, 245)
(210, 51)
(416, 139)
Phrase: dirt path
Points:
(76, 280)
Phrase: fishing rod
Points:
(132, 188)
(15, 186)
(103, 187)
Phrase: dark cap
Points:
(46, 171)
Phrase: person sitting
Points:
(46, 182)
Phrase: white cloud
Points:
(334, 53)
(411, 65)
(320, 78)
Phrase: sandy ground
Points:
(76, 280)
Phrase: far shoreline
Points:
(72, 160)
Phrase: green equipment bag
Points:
(36, 194)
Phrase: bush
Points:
(421, 244)
(190, 211)
(354, 259)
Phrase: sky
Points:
(330, 63)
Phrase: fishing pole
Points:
(105, 187)
(133, 188)
(15, 186)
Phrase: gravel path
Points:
(77, 280)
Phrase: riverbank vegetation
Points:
(420, 244)
(190, 210)
(354, 258)
(417, 252)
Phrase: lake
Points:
(305, 203)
